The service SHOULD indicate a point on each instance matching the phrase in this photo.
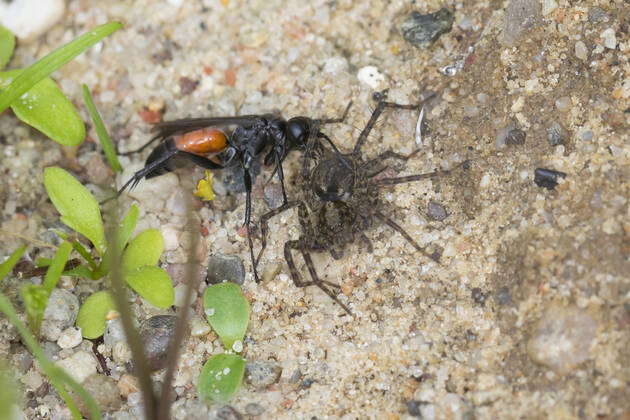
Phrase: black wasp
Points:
(219, 142)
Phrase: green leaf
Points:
(78, 207)
(35, 300)
(9, 263)
(144, 249)
(153, 284)
(82, 271)
(127, 226)
(7, 43)
(53, 274)
(46, 108)
(227, 311)
(53, 61)
(92, 317)
(221, 377)
(101, 131)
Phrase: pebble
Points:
(225, 267)
(547, 178)
(232, 177)
(562, 338)
(157, 333)
(28, 19)
(273, 195)
(422, 30)
(127, 385)
(370, 76)
(515, 137)
(104, 391)
(581, 51)
(520, 16)
(70, 338)
(225, 412)
(610, 40)
(556, 134)
(563, 103)
(180, 295)
(199, 327)
(114, 332)
(548, 7)
(261, 374)
(254, 409)
(61, 312)
(335, 65)
(80, 365)
(121, 352)
(436, 211)
(597, 14)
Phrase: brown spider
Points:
(341, 200)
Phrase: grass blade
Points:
(101, 131)
(7, 266)
(7, 43)
(44, 67)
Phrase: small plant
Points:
(59, 379)
(80, 211)
(35, 98)
(227, 311)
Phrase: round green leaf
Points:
(227, 311)
(7, 43)
(93, 313)
(153, 284)
(221, 377)
(45, 107)
(78, 207)
(144, 249)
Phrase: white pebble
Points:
(28, 19)
(169, 233)
(80, 365)
(371, 76)
(610, 40)
(237, 346)
(69, 338)
(581, 51)
(548, 7)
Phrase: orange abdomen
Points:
(202, 142)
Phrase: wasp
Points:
(218, 142)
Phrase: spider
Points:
(340, 200)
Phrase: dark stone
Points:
(503, 296)
(547, 178)
(253, 409)
(413, 407)
(261, 374)
(515, 137)
(156, 334)
(423, 30)
(478, 296)
(232, 177)
(225, 267)
(436, 211)
(187, 85)
(225, 412)
(597, 15)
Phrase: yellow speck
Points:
(204, 188)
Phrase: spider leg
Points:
(380, 107)
(264, 226)
(418, 177)
(295, 275)
(389, 222)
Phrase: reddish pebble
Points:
(150, 116)
(242, 232)
(230, 77)
(207, 70)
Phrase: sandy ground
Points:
(527, 314)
